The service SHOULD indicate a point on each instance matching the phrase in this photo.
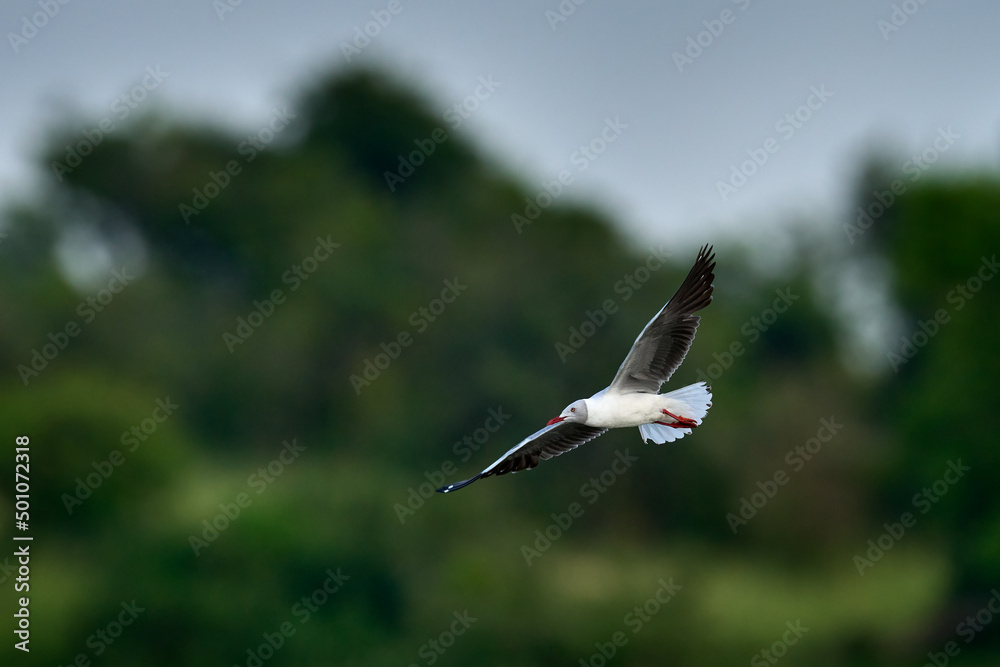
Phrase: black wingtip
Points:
(707, 256)
(459, 485)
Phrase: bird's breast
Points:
(620, 410)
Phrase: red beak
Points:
(556, 420)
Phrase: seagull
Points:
(632, 398)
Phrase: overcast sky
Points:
(691, 87)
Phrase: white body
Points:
(609, 409)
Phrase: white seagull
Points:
(632, 398)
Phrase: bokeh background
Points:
(272, 272)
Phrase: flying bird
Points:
(632, 398)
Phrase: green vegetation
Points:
(234, 441)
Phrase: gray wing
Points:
(665, 340)
(550, 441)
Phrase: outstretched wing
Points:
(551, 441)
(665, 340)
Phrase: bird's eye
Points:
(572, 409)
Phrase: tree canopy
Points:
(245, 360)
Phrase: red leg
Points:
(681, 422)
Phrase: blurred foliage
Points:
(329, 477)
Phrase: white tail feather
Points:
(660, 434)
(696, 399)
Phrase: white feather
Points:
(692, 401)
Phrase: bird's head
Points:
(574, 412)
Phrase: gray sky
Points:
(559, 83)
